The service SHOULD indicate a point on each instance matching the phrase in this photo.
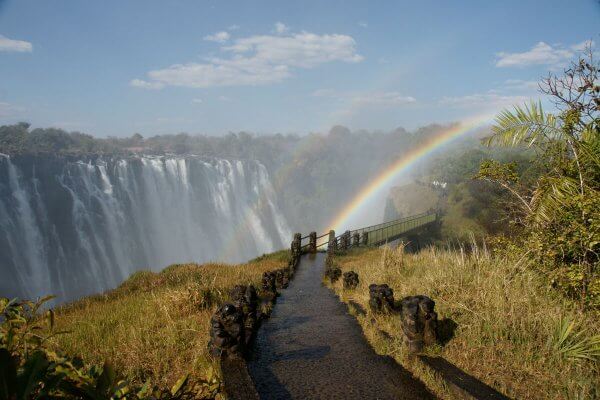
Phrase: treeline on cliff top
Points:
(20, 138)
(317, 171)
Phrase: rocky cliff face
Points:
(72, 226)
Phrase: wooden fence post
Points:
(345, 241)
(312, 247)
(355, 239)
(365, 238)
(296, 244)
(332, 245)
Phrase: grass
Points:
(155, 326)
(513, 331)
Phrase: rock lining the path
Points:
(419, 322)
(351, 280)
(381, 298)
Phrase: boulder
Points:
(333, 274)
(246, 300)
(419, 322)
(350, 280)
(282, 278)
(381, 298)
(269, 283)
(291, 266)
(227, 332)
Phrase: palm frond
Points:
(525, 125)
(589, 147)
(570, 343)
(552, 195)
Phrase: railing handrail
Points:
(393, 222)
(388, 224)
(377, 234)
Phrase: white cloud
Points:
(521, 85)
(139, 83)
(256, 60)
(490, 100)
(383, 98)
(233, 27)
(5, 109)
(304, 50)
(540, 54)
(324, 93)
(583, 45)
(197, 101)
(8, 110)
(20, 46)
(281, 28)
(219, 37)
(379, 98)
(505, 95)
(363, 24)
(224, 99)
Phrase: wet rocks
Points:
(268, 293)
(335, 274)
(332, 272)
(282, 278)
(227, 333)
(419, 322)
(246, 301)
(350, 280)
(234, 324)
(381, 298)
(269, 284)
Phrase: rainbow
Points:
(386, 177)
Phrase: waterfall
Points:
(74, 227)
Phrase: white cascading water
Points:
(72, 228)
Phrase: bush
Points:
(30, 370)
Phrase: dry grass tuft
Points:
(507, 320)
(155, 326)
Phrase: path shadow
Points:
(463, 384)
(267, 384)
(237, 381)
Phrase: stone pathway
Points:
(311, 348)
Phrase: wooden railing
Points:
(374, 235)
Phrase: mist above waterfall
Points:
(79, 214)
(77, 226)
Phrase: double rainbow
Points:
(386, 177)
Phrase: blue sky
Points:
(202, 66)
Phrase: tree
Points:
(561, 212)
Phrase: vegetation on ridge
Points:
(559, 214)
(148, 337)
(513, 332)
(526, 313)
